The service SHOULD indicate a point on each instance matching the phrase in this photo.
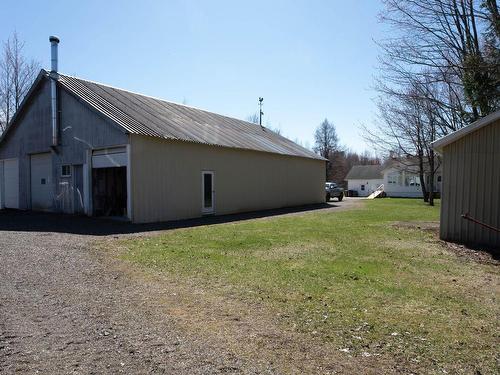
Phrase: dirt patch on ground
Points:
(476, 255)
(479, 255)
(430, 226)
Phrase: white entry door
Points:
(11, 183)
(207, 192)
(42, 187)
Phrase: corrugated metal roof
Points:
(365, 172)
(144, 115)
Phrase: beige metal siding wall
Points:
(471, 184)
(166, 179)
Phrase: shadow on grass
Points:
(29, 221)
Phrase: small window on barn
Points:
(362, 187)
(439, 178)
(66, 171)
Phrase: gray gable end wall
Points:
(81, 128)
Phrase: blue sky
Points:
(308, 59)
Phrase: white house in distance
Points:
(399, 178)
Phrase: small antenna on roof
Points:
(260, 110)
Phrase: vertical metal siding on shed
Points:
(471, 184)
(166, 179)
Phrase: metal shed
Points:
(77, 146)
(470, 206)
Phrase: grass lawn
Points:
(353, 279)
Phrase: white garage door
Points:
(41, 182)
(11, 183)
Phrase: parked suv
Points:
(332, 190)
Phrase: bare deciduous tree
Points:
(442, 41)
(16, 76)
(326, 139)
(407, 125)
(326, 142)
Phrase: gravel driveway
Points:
(66, 309)
(61, 311)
